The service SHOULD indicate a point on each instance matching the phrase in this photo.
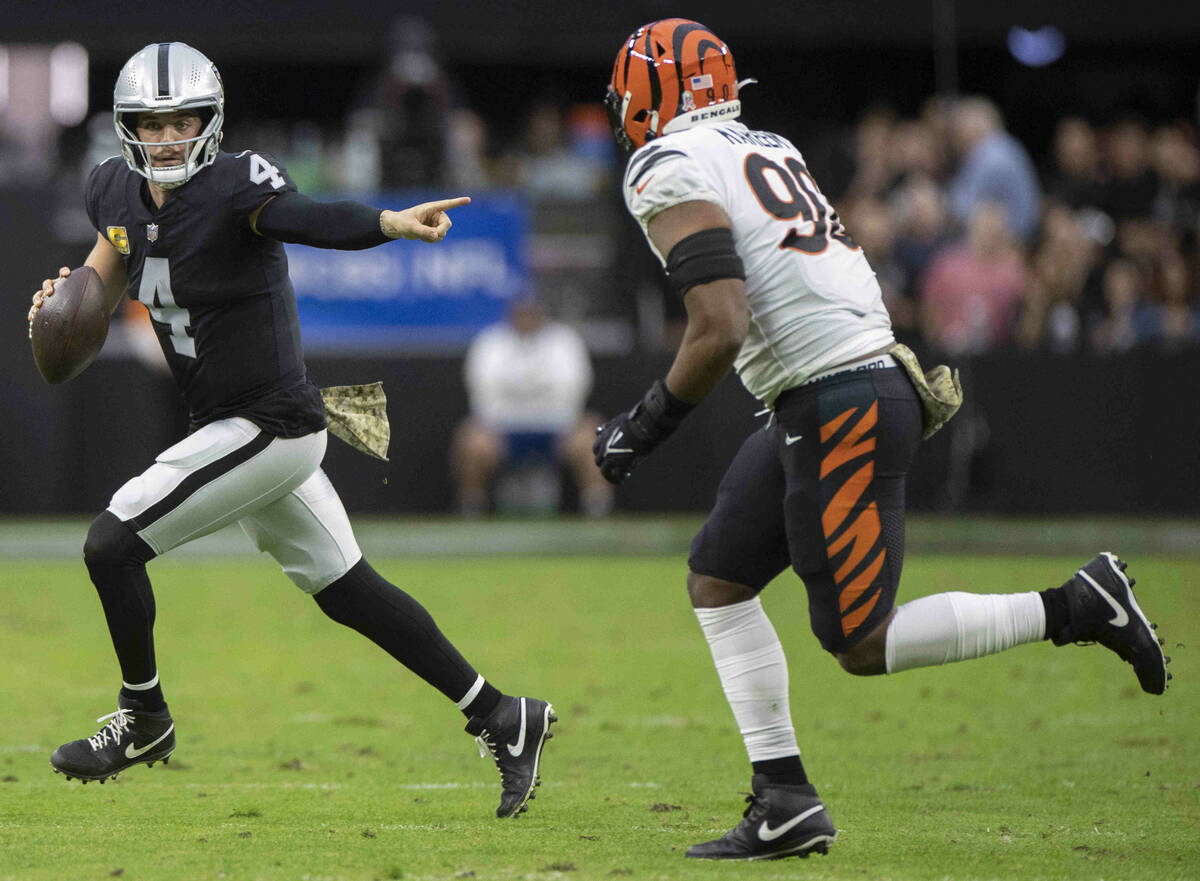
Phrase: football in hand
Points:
(70, 327)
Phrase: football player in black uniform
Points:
(196, 235)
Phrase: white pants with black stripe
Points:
(231, 471)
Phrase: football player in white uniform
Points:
(775, 287)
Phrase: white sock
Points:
(956, 626)
(754, 675)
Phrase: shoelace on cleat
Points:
(486, 747)
(113, 731)
(751, 804)
(486, 741)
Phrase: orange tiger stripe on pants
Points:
(861, 536)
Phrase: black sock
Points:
(116, 561)
(1057, 614)
(788, 771)
(365, 601)
(143, 699)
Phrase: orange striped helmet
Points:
(670, 75)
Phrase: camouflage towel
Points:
(358, 415)
(939, 389)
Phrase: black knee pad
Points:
(111, 543)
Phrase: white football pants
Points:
(230, 471)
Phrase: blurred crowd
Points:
(978, 245)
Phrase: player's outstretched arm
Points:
(427, 221)
(348, 225)
(705, 270)
(106, 260)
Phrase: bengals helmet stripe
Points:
(644, 102)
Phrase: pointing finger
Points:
(446, 204)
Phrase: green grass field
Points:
(307, 753)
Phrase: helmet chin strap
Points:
(176, 176)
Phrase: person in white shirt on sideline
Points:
(527, 379)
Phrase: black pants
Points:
(822, 488)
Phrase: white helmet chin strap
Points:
(168, 177)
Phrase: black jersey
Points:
(218, 293)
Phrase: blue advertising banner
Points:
(410, 296)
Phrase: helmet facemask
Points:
(199, 151)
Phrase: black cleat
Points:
(781, 821)
(1102, 609)
(132, 736)
(513, 735)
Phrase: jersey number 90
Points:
(804, 199)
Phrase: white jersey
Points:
(536, 381)
(814, 301)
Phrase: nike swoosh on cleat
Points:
(789, 440)
(132, 752)
(1121, 618)
(766, 833)
(516, 749)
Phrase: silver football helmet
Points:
(167, 77)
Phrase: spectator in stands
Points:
(1131, 187)
(1128, 320)
(921, 222)
(1173, 320)
(527, 379)
(994, 167)
(1075, 180)
(549, 163)
(1065, 258)
(970, 295)
(916, 150)
(872, 166)
(408, 108)
(874, 228)
(1176, 162)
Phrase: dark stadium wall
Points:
(1038, 435)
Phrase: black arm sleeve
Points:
(346, 226)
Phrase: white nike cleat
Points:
(513, 734)
(1101, 608)
(132, 736)
(781, 821)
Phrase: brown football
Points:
(71, 326)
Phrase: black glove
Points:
(623, 441)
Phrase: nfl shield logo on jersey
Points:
(152, 232)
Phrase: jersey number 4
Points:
(155, 293)
(262, 170)
(799, 197)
